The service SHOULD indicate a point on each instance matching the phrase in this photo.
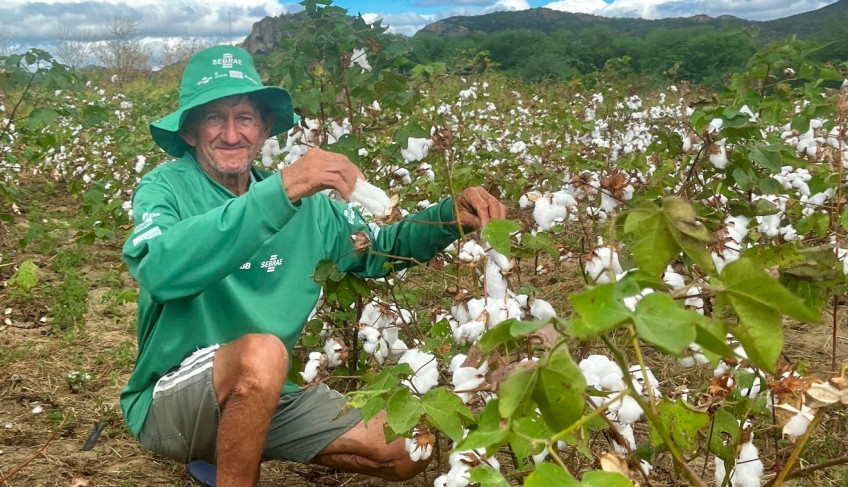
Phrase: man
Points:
(223, 255)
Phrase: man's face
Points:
(227, 134)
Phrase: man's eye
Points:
(213, 117)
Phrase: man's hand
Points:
(318, 170)
(477, 207)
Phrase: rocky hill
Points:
(830, 22)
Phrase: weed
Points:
(68, 261)
(56, 415)
(121, 357)
(71, 303)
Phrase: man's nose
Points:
(230, 133)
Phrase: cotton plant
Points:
(466, 380)
(378, 329)
(420, 445)
(748, 468)
(461, 463)
(604, 375)
(425, 370)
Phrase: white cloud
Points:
(44, 21)
(402, 23)
(655, 9)
(511, 5)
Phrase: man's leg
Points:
(363, 449)
(248, 375)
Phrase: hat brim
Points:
(165, 131)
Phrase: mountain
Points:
(825, 23)
(268, 32)
(549, 21)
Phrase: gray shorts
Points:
(182, 422)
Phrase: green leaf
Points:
(444, 410)
(599, 310)
(663, 232)
(487, 476)
(489, 432)
(41, 117)
(497, 234)
(530, 434)
(559, 389)
(548, 475)
(712, 337)
(661, 321)
(26, 276)
(724, 436)
(496, 336)
(598, 478)
(541, 241)
(655, 246)
(759, 300)
(515, 391)
(403, 411)
(682, 421)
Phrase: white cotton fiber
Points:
(371, 198)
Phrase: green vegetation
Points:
(725, 207)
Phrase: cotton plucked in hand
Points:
(371, 198)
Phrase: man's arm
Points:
(175, 257)
(416, 238)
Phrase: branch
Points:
(39, 452)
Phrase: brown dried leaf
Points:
(722, 385)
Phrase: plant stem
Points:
(653, 417)
(798, 448)
(39, 452)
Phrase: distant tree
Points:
(73, 47)
(6, 43)
(178, 50)
(122, 51)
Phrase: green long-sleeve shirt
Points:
(213, 267)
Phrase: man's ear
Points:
(188, 137)
(269, 123)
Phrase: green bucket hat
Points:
(214, 73)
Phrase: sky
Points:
(40, 23)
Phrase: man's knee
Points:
(253, 364)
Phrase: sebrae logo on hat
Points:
(226, 61)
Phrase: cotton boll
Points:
(638, 376)
(603, 261)
(719, 157)
(687, 361)
(629, 411)
(749, 467)
(674, 280)
(456, 362)
(336, 352)
(796, 426)
(467, 379)
(602, 373)
(542, 310)
(425, 368)
(370, 337)
(417, 149)
(371, 198)
(472, 252)
(310, 372)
